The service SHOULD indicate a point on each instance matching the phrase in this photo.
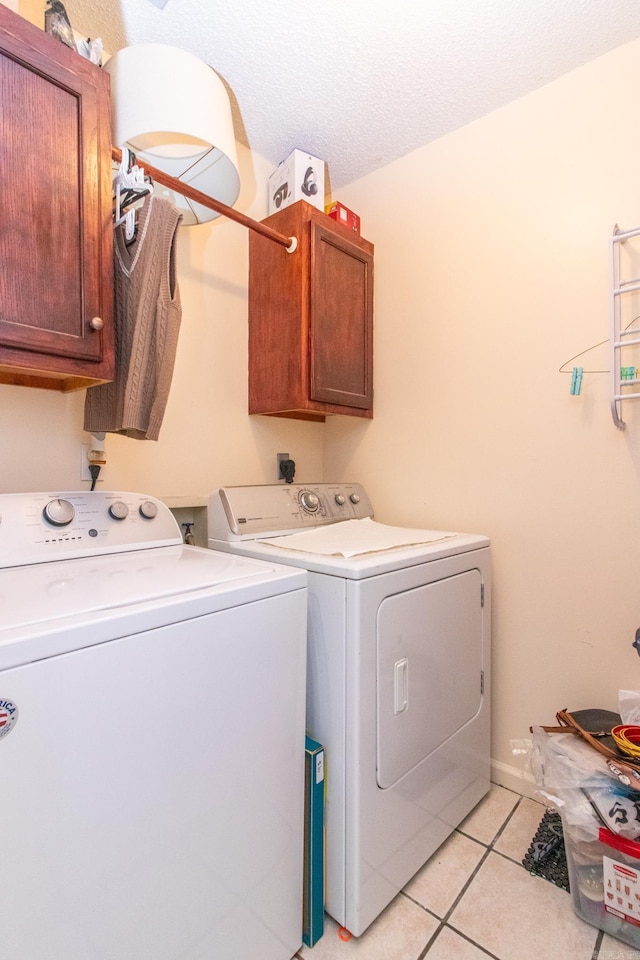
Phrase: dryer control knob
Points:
(309, 501)
(340, 500)
(59, 512)
(354, 497)
(148, 509)
(118, 510)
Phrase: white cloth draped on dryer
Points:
(352, 538)
(147, 315)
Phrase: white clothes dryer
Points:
(398, 680)
(151, 738)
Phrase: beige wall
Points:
(31, 10)
(491, 272)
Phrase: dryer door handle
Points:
(400, 685)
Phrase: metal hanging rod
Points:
(158, 176)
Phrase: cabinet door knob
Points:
(96, 323)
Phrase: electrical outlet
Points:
(281, 457)
(84, 464)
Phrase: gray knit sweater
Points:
(147, 314)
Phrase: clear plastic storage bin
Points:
(604, 877)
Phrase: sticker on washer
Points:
(8, 716)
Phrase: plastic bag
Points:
(91, 50)
(629, 706)
(574, 778)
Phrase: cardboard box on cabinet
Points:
(299, 177)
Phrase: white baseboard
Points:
(515, 779)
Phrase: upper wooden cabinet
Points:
(310, 319)
(56, 234)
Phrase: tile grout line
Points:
(444, 920)
(595, 953)
(463, 936)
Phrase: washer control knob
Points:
(309, 501)
(118, 510)
(339, 499)
(148, 509)
(354, 497)
(59, 512)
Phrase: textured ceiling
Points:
(360, 83)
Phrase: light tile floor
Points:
(474, 900)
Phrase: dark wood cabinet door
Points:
(55, 227)
(340, 320)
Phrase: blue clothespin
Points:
(576, 381)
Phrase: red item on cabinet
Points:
(337, 211)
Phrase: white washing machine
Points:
(151, 738)
(398, 680)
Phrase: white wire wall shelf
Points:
(624, 378)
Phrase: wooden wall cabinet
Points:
(310, 319)
(56, 233)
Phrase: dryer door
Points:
(429, 670)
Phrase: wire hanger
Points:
(130, 187)
(567, 363)
(601, 343)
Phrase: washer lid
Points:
(44, 593)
